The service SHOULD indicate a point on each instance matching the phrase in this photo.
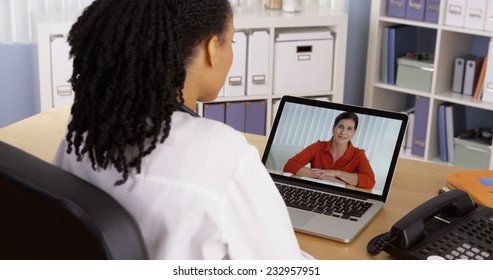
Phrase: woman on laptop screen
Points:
(335, 160)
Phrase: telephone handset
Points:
(449, 225)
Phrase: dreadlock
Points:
(129, 59)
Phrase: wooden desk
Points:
(414, 182)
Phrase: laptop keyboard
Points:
(319, 202)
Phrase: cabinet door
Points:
(61, 67)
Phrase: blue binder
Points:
(402, 39)
(384, 76)
(432, 11)
(420, 124)
(396, 8)
(415, 9)
(442, 133)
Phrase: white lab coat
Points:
(202, 194)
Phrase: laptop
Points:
(314, 204)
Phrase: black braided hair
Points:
(129, 59)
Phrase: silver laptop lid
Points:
(300, 122)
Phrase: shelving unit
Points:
(451, 42)
(311, 16)
(53, 24)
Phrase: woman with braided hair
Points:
(195, 186)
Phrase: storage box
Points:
(414, 74)
(469, 153)
(432, 10)
(258, 63)
(455, 12)
(396, 8)
(235, 81)
(303, 59)
(416, 9)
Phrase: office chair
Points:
(48, 213)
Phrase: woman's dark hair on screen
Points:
(347, 116)
(129, 59)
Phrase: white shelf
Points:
(451, 42)
(311, 16)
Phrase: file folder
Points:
(432, 11)
(235, 81)
(258, 63)
(415, 9)
(475, 14)
(214, 111)
(455, 120)
(402, 39)
(455, 13)
(477, 183)
(396, 8)
(473, 66)
(420, 125)
(410, 131)
(384, 56)
(459, 70)
(61, 67)
(235, 115)
(255, 114)
(408, 134)
(442, 133)
(488, 79)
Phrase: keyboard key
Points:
(299, 206)
(319, 202)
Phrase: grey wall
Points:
(16, 73)
(16, 83)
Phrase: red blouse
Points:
(319, 156)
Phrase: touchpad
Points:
(299, 218)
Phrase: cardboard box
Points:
(303, 59)
(414, 74)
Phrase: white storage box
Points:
(235, 81)
(303, 60)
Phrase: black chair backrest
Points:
(48, 213)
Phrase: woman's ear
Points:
(212, 50)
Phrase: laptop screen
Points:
(303, 131)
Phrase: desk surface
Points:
(414, 182)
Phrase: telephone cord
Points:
(377, 243)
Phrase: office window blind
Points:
(15, 16)
(371, 130)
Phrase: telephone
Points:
(448, 226)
